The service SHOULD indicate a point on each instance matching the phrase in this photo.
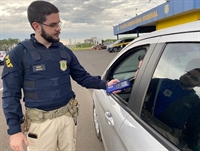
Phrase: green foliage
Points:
(78, 48)
(84, 45)
(113, 40)
(128, 37)
(7, 44)
(110, 40)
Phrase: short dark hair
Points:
(38, 10)
(197, 69)
(141, 57)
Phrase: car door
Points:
(110, 117)
(142, 129)
(124, 66)
(110, 108)
(131, 132)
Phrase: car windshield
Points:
(118, 41)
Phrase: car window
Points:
(126, 67)
(122, 41)
(172, 103)
(118, 41)
(128, 40)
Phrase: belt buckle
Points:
(53, 114)
(59, 111)
(41, 115)
(56, 113)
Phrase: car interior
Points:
(127, 69)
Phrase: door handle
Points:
(109, 118)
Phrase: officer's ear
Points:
(36, 26)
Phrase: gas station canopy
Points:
(170, 13)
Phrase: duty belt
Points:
(36, 115)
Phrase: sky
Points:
(81, 19)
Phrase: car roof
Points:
(188, 27)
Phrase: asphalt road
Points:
(95, 62)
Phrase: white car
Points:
(161, 109)
(2, 56)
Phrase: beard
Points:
(185, 82)
(48, 38)
(187, 85)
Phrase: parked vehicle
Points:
(161, 109)
(98, 47)
(94, 47)
(119, 44)
(2, 56)
(103, 46)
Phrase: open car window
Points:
(126, 68)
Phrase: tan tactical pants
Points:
(57, 134)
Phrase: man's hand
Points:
(113, 81)
(17, 140)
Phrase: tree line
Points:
(7, 44)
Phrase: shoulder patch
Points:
(8, 62)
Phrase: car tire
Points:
(115, 49)
(96, 124)
(120, 48)
(111, 50)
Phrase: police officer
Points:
(42, 67)
(178, 106)
(173, 91)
